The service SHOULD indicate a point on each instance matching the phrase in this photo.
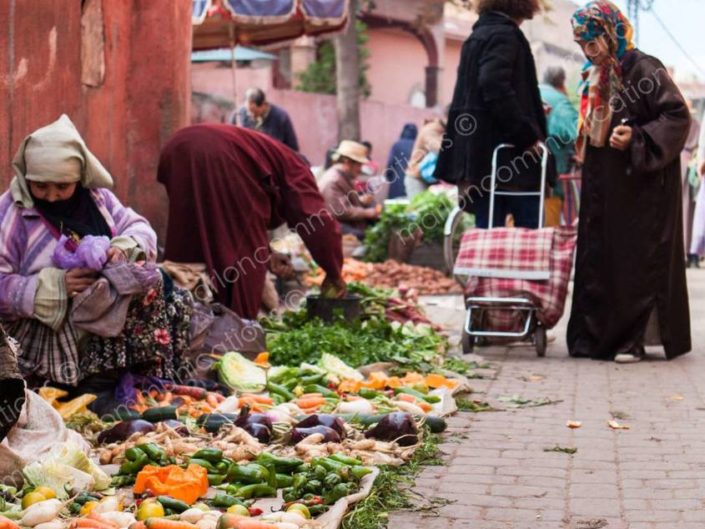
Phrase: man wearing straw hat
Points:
(352, 210)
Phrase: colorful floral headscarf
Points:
(600, 19)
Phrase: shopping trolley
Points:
(479, 307)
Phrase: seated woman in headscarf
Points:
(58, 198)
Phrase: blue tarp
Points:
(262, 8)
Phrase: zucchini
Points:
(122, 414)
(163, 413)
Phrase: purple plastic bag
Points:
(92, 252)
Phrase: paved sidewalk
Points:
(649, 477)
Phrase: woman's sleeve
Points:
(657, 143)
(305, 211)
(495, 78)
(133, 233)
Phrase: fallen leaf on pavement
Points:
(533, 378)
(574, 425)
(517, 401)
(619, 415)
(597, 523)
(561, 449)
(617, 426)
(677, 397)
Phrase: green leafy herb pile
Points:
(294, 341)
(427, 211)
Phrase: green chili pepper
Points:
(251, 473)
(222, 467)
(260, 490)
(215, 479)
(122, 481)
(339, 491)
(212, 455)
(367, 393)
(282, 391)
(154, 452)
(311, 379)
(313, 486)
(284, 480)
(203, 463)
(431, 399)
(331, 480)
(132, 454)
(289, 494)
(173, 504)
(360, 472)
(345, 460)
(330, 465)
(299, 480)
(224, 501)
(320, 471)
(314, 388)
(285, 464)
(133, 467)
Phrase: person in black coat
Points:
(399, 156)
(263, 116)
(496, 100)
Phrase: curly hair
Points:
(516, 9)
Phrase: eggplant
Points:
(398, 426)
(178, 427)
(259, 432)
(329, 434)
(246, 418)
(331, 421)
(123, 430)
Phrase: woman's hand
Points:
(621, 137)
(79, 279)
(280, 265)
(116, 255)
(333, 288)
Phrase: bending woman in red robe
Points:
(227, 186)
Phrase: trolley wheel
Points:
(468, 343)
(540, 341)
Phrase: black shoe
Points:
(693, 260)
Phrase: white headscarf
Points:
(57, 154)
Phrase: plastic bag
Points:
(92, 252)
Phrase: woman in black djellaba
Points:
(630, 259)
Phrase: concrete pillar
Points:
(432, 85)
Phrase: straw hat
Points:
(357, 152)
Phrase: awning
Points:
(220, 23)
(242, 54)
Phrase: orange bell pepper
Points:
(185, 485)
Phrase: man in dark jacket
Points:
(399, 156)
(261, 115)
(496, 101)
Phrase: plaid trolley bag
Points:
(517, 282)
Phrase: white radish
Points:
(409, 407)
(286, 517)
(207, 522)
(122, 519)
(229, 405)
(54, 524)
(356, 406)
(192, 515)
(41, 512)
(285, 525)
(109, 504)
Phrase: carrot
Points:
(6, 523)
(211, 400)
(88, 523)
(310, 396)
(137, 525)
(261, 399)
(407, 398)
(163, 523)
(98, 518)
(249, 523)
(311, 403)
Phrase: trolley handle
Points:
(493, 181)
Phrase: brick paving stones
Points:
(499, 476)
